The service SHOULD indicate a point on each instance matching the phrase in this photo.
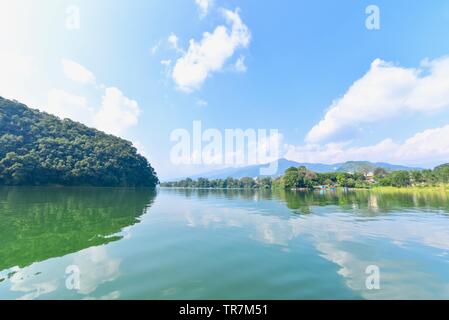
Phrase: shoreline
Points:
(413, 188)
(374, 188)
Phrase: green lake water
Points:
(222, 244)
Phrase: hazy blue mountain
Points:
(249, 171)
(366, 166)
(284, 164)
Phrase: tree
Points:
(203, 183)
(299, 178)
(442, 173)
(400, 178)
(342, 179)
(290, 178)
(380, 173)
(264, 182)
(429, 177)
(306, 178)
(247, 182)
(417, 177)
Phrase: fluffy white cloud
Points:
(16, 76)
(204, 6)
(117, 112)
(66, 105)
(76, 72)
(18, 24)
(384, 91)
(98, 268)
(173, 40)
(115, 115)
(414, 150)
(210, 54)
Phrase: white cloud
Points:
(261, 148)
(115, 115)
(97, 268)
(240, 64)
(173, 40)
(204, 6)
(117, 112)
(155, 48)
(201, 103)
(386, 90)
(66, 105)
(414, 150)
(28, 77)
(211, 52)
(18, 21)
(167, 67)
(16, 76)
(76, 72)
(32, 287)
(166, 63)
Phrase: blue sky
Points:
(335, 90)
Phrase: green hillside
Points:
(40, 149)
(366, 167)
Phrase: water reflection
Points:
(231, 244)
(41, 223)
(365, 201)
(402, 232)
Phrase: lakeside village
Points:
(303, 179)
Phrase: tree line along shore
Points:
(302, 178)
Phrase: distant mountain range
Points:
(284, 164)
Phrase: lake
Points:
(87, 243)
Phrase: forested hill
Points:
(40, 149)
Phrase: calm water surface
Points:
(189, 244)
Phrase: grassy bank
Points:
(443, 187)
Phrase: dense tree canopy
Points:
(229, 183)
(40, 149)
(442, 172)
